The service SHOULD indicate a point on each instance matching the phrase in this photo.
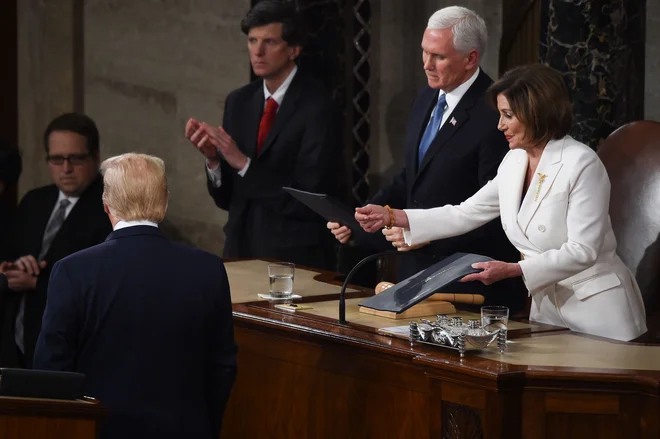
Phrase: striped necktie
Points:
(52, 228)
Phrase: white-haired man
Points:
(452, 147)
(146, 320)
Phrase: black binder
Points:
(327, 207)
(438, 278)
(29, 383)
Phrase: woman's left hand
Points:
(493, 271)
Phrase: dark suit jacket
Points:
(86, 225)
(461, 159)
(7, 225)
(149, 323)
(302, 150)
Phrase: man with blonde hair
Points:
(147, 321)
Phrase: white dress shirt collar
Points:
(454, 96)
(123, 224)
(281, 91)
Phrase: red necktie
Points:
(266, 122)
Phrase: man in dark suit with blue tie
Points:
(452, 149)
(281, 130)
(146, 320)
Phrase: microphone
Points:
(342, 293)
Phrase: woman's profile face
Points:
(513, 129)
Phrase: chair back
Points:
(631, 156)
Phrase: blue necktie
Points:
(432, 128)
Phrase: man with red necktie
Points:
(282, 130)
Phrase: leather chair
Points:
(631, 156)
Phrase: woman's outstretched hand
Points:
(372, 217)
(493, 271)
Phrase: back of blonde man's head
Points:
(135, 187)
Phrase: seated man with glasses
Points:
(52, 222)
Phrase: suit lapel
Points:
(511, 186)
(286, 111)
(418, 120)
(456, 119)
(255, 110)
(459, 116)
(429, 100)
(546, 172)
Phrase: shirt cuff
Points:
(215, 175)
(245, 168)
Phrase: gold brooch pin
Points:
(538, 188)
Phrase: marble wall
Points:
(652, 67)
(49, 77)
(599, 48)
(149, 66)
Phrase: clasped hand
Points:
(213, 143)
(22, 273)
(395, 236)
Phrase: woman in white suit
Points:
(552, 194)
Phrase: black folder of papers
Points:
(326, 206)
(441, 277)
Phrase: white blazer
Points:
(564, 235)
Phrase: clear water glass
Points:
(281, 275)
(496, 318)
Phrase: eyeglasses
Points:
(73, 159)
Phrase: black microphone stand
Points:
(342, 293)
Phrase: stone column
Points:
(49, 76)
(598, 46)
(652, 85)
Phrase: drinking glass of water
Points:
(496, 318)
(281, 279)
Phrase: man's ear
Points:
(295, 52)
(106, 209)
(472, 60)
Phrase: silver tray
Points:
(454, 334)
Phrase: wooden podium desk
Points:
(35, 418)
(303, 375)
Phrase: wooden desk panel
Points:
(305, 376)
(28, 418)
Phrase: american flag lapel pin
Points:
(453, 121)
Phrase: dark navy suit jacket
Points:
(149, 323)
